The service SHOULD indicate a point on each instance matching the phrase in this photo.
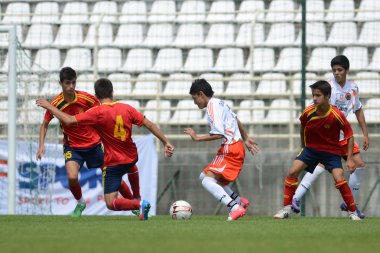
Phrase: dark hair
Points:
(323, 86)
(103, 88)
(67, 73)
(201, 85)
(342, 61)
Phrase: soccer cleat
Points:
(144, 210)
(136, 212)
(78, 210)
(244, 202)
(296, 205)
(354, 216)
(343, 207)
(284, 213)
(238, 213)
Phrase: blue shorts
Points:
(94, 157)
(112, 176)
(312, 157)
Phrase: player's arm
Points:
(363, 125)
(249, 142)
(207, 137)
(350, 164)
(63, 117)
(43, 131)
(169, 148)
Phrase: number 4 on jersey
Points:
(119, 131)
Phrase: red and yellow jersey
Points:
(76, 136)
(322, 132)
(113, 122)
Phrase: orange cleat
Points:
(244, 202)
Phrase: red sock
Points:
(290, 187)
(125, 191)
(121, 204)
(133, 177)
(76, 191)
(346, 193)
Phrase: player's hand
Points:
(251, 145)
(350, 165)
(40, 153)
(191, 132)
(42, 102)
(365, 143)
(169, 149)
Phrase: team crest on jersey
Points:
(327, 126)
(348, 96)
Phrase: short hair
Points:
(323, 86)
(67, 73)
(342, 61)
(103, 88)
(199, 85)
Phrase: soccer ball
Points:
(181, 210)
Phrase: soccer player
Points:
(228, 162)
(113, 122)
(80, 143)
(345, 96)
(321, 126)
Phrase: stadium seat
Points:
(189, 35)
(244, 37)
(134, 103)
(47, 59)
(30, 113)
(69, 35)
(168, 60)
(129, 35)
(239, 84)
(192, 11)
(109, 59)
(79, 59)
(320, 59)
(121, 84)
(310, 79)
(216, 81)
(46, 12)
(85, 82)
(220, 35)
(51, 85)
(251, 111)
(106, 8)
(342, 33)
(375, 63)
(75, 13)
(147, 84)
(289, 60)
(199, 60)
(186, 112)
(280, 11)
(178, 84)
(4, 112)
(17, 13)
(105, 37)
(133, 11)
(24, 64)
(272, 83)
(372, 110)
(369, 35)
(370, 85)
(39, 36)
(138, 60)
(4, 39)
(157, 110)
(315, 35)
(159, 35)
(314, 11)
(368, 10)
(340, 10)
(280, 112)
(3, 84)
(28, 85)
(229, 60)
(262, 59)
(281, 34)
(162, 11)
(358, 57)
(250, 10)
(221, 11)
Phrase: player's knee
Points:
(109, 205)
(73, 181)
(202, 176)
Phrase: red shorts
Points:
(344, 146)
(228, 162)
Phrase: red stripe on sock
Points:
(76, 191)
(125, 191)
(290, 187)
(346, 193)
(121, 204)
(134, 180)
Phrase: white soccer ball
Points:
(181, 210)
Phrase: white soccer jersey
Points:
(346, 98)
(223, 121)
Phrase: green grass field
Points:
(106, 234)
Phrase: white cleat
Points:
(354, 216)
(284, 213)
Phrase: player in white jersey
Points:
(228, 162)
(345, 96)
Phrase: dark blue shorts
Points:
(94, 157)
(112, 176)
(312, 157)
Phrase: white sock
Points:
(307, 181)
(212, 186)
(81, 201)
(354, 182)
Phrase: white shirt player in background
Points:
(345, 96)
(228, 162)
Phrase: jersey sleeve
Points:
(136, 116)
(303, 119)
(357, 104)
(216, 114)
(88, 117)
(48, 116)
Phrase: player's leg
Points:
(134, 180)
(72, 171)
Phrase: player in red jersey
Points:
(80, 143)
(321, 124)
(113, 122)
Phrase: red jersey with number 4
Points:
(113, 122)
(76, 136)
(322, 132)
